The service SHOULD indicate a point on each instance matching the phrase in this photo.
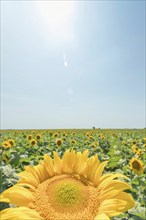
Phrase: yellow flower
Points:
(102, 136)
(11, 142)
(87, 134)
(64, 134)
(91, 138)
(69, 188)
(55, 135)
(139, 152)
(58, 142)
(134, 148)
(94, 144)
(137, 166)
(38, 136)
(134, 141)
(29, 137)
(6, 145)
(73, 141)
(16, 214)
(33, 142)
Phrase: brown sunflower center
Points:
(136, 165)
(58, 142)
(65, 197)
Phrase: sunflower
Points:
(136, 165)
(134, 149)
(73, 141)
(64, 134)
(55, 135)
(87, 134)
(69, 188)
(103, 138)
(93, 145)
(11, 142)
(33, 142)
(29, 137)
(38, 137)
(91, 138)
(134, 141)
(6, 145)
(58, 142)
(139, 152)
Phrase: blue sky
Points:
(72, 64)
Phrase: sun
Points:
(57, 18)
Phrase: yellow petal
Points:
(30, 169)
(119, 204)
(129, 200)
(41, 172)
(66, 167)
(20, 213)
(81, 162)
(72, 158)
(107, 178)
(92, 164)
(108, 194)
(57, 163)
(102, 216)
(111, 207)
(115, 184)
(28, 186)
(17, 195)
(98, 173)
(3, 199)
(29, 178)
(48, 164)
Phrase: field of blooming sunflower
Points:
(92, 174)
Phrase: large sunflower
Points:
(69, 188)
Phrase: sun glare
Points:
(57, 18)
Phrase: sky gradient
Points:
(72, 64)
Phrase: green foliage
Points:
(8, 177)
(112, 145)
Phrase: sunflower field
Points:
(77, 162)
